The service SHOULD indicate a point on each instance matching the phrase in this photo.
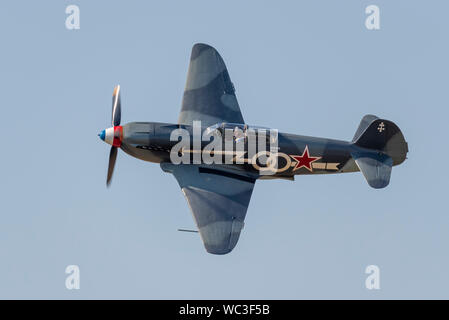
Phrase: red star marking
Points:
(305, 160)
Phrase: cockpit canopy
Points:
(221, 127)
(239, 131)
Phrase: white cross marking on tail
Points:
(381, 127)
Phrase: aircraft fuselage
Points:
(296, 154)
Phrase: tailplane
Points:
(376, 168)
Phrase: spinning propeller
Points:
(113, 135)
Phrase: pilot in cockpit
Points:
(239, 134)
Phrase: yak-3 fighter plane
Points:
(218, 194)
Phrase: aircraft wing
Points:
(209, 94)
(218, 200)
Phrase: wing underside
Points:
(209, 95)
(218, 201)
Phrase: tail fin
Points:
(383, 147)
(382, 135)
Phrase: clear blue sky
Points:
(306, 67)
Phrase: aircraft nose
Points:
(102, 135)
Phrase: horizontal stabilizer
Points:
(376, 167)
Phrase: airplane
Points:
(218, 194)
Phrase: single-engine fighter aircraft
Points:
(218, 194)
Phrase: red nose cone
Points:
(118, 136)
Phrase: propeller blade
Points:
(112, 158)
(116, 107)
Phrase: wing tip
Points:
(218, 252)
(198, 48)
